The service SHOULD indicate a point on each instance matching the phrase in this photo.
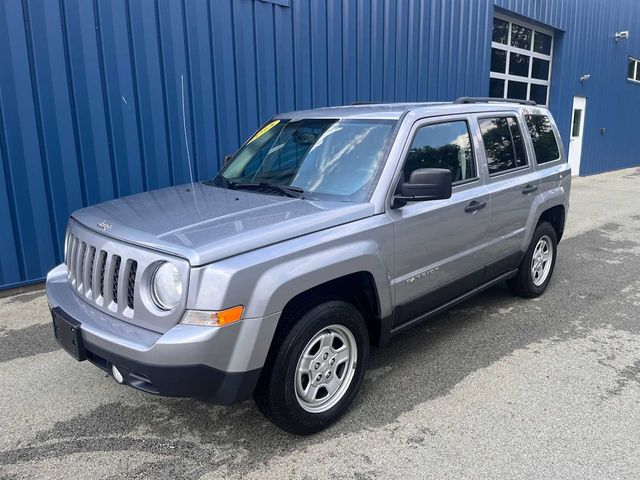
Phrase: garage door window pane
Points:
(500, 30)
(519, 65)
(517, 90)
(496, 88)
(521, 36)
(540, 69)
(544, 141)
(498, 60)
(538, 94)
(542, 43)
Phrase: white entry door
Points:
(577, 128)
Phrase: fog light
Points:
(116, 374)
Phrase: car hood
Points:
(203, 223)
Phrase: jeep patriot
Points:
(328, 232)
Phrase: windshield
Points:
(328, 159)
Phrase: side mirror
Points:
(227, 158)
(425, 184)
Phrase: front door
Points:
(577, 127)
(439, 243)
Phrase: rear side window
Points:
(442, 145)
(503, 144)
(544, 141)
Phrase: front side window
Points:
(442, 145)
(328, 159)
(544, 141)
(520, 62)
(503, 144)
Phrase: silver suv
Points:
(329, 231)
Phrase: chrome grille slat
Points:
(86, 270)
(107, 282)
(82, 250)
(72, 260)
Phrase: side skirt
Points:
(451, 303)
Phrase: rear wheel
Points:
(316, 368)
(536, 269)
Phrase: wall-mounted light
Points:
(622, 35)
(584, 78)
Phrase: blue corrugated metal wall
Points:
(91, 91)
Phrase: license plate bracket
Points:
(68, 333)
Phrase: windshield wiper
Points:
(288, 190)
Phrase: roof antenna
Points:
(186, 142)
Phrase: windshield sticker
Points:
(264, 130)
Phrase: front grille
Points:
(101, 276)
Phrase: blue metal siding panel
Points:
(10, 261)
(87, 106)
(149, 93)
(25, 175)
(204, 127)
(91, 93)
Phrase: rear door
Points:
(439, 244)
(512, 184)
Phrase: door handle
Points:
(529, 188)
(474, 206)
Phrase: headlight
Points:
(166, 286)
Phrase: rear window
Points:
(544, 141)
(503, 144)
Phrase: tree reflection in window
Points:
(503, 144)
(544, 141)
(443, 145)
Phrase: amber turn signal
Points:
(217, 318)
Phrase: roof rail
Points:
(492, 99)
(364, 102)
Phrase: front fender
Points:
(264, 280)
(286, 280)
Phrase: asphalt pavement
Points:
(499, 387)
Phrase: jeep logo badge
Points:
(104, 225)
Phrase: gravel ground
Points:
(499, 387)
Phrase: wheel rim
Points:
(325, 368)
(541, 260)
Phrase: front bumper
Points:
(218, 364)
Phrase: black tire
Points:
(523, 283)
(275, 394)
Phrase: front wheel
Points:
(536, 268)
(316, 369)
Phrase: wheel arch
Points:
(550, 206)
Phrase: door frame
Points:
(578, 103)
